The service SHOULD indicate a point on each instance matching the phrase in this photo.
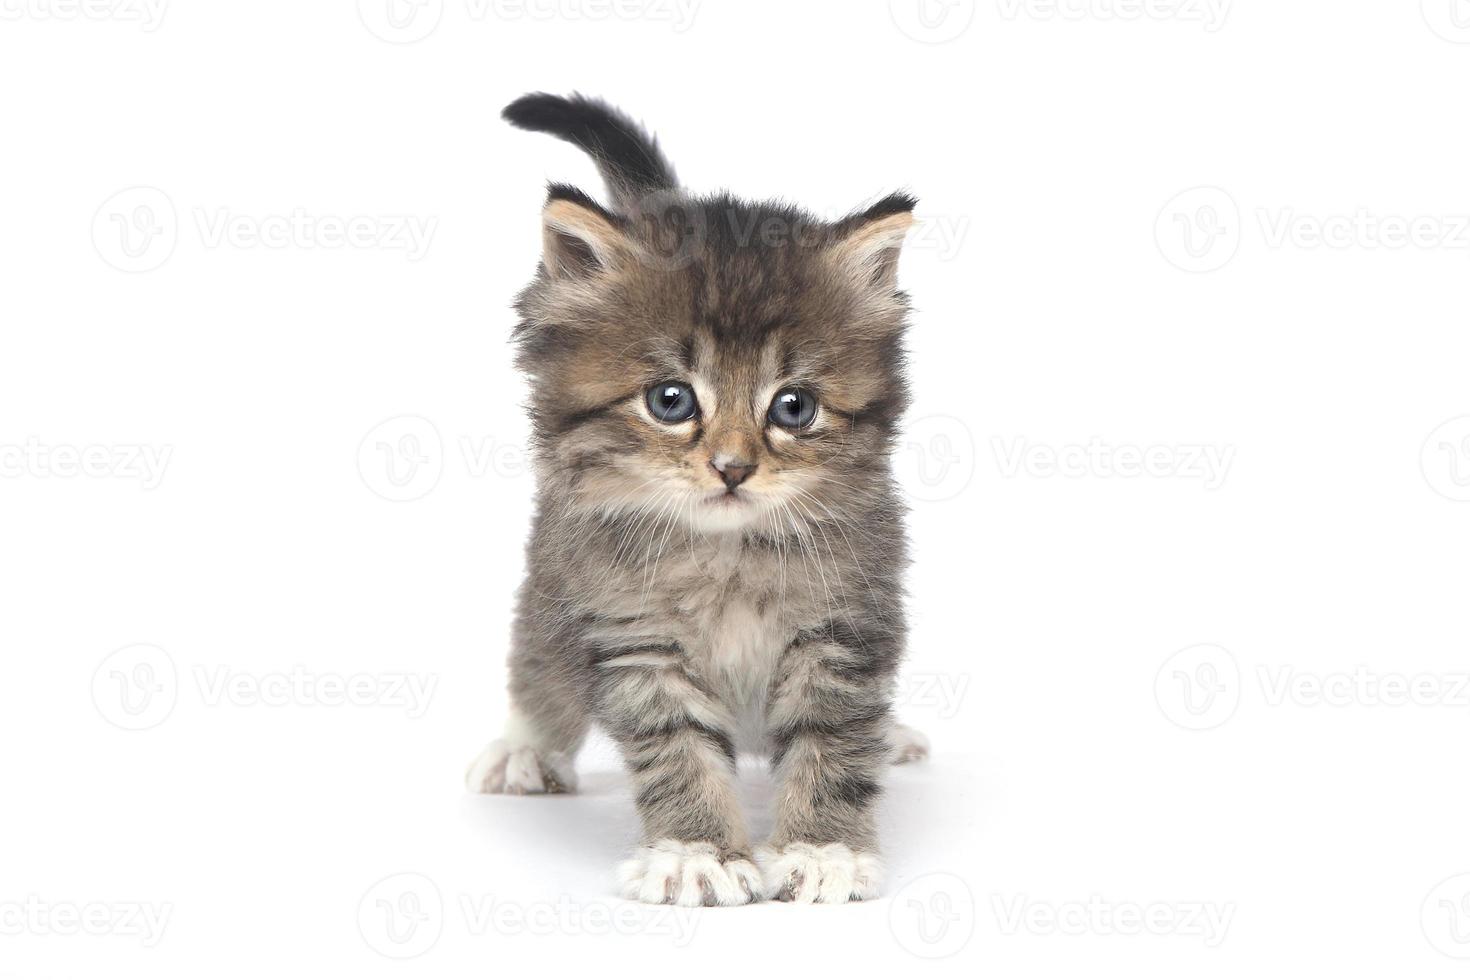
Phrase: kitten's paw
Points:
(906, 744)
(673, 872)
(508, 767)
(826, 873)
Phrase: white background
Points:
(1080, 300)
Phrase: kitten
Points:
(717, 550)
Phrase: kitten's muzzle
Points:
(732, 472)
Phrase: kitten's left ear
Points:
(868, 243)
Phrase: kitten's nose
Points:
(733, 472)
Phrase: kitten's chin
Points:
(724, 512)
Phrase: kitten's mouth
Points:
(727, 498)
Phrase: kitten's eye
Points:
(672, 401)
(793, 408)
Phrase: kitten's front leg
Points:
(829, 719)
(675, 740)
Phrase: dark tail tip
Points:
(539, 112)
(626, 155)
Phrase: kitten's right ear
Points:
(579, 238)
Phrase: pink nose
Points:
(733, 472)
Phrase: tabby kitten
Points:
(717, 551)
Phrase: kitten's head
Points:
(728, 364)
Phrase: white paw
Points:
(826, 873)
(906, 744)
(507, 767)
(674, 872)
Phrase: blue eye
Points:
(793, 408)
(672, 401)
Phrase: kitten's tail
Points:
(627, 156)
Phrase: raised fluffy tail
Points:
(627, 156)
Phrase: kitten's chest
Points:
(735, 627)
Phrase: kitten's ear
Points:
(868, 242)
(579, 238)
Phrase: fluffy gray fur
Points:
(720, 583)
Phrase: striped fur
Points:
(690, 620)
